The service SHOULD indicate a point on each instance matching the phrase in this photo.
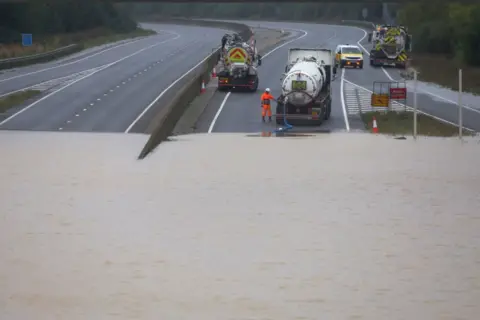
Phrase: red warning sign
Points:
(398, 93)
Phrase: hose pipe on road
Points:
(287, 126)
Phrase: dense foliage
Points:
(446, 28)
(59, 16)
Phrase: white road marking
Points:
(212, 124)
(408, 108)
(80, 60)
(165, 91)
(210, 129)
(342, 100)
(84, 77)
(50, 83)
(424, 91)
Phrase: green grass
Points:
(401, 123)
(17, 98)
(87, 39)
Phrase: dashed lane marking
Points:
(130, 78)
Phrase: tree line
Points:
(445, 27)
(48, 17)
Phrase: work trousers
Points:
(266, 110)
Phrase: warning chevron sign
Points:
(237, 55)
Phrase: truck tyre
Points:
(279, 111)
(255, 86)
(361, 65)
(328, 110)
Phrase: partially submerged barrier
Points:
(167, 116)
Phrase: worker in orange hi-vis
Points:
(265, 101)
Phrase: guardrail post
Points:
(415, 83)
(460, 107)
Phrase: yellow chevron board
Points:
(237, 54)
(393, 32)
(390, 39)
(402, 56)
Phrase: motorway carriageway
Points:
(115, 86)
(240, 112)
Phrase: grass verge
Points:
(87, 39)
(17, 98)
(401, 123)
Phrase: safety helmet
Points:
(267, 90)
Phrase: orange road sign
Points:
(380, 100)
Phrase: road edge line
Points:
(305, 33)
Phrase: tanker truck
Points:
(306, 87)
(238, 65)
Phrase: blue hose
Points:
(287, 126)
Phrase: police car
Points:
(347, 55)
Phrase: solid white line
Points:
(77, 61)
(342, 100)
(44, 82)
(84, 77)
(163, 92)
(305, 33)
(408, 107)
(424, 91)
(210, 129)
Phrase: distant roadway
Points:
(240, 112)
(115, 86)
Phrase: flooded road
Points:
(344, 226)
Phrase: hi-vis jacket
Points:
(265, 99)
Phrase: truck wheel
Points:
(328, 110)
(255, 86)
(279, 111)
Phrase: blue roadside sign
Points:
(27, 39)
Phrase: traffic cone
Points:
(374, 125)
(202, 90)
(214, 73)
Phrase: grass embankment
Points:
(444, 71)
(91, 38)
(17, 98)
(401, 123)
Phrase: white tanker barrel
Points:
(303, 82)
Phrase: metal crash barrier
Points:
(389, 95)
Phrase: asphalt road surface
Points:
(116, 85)
(240, 112)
